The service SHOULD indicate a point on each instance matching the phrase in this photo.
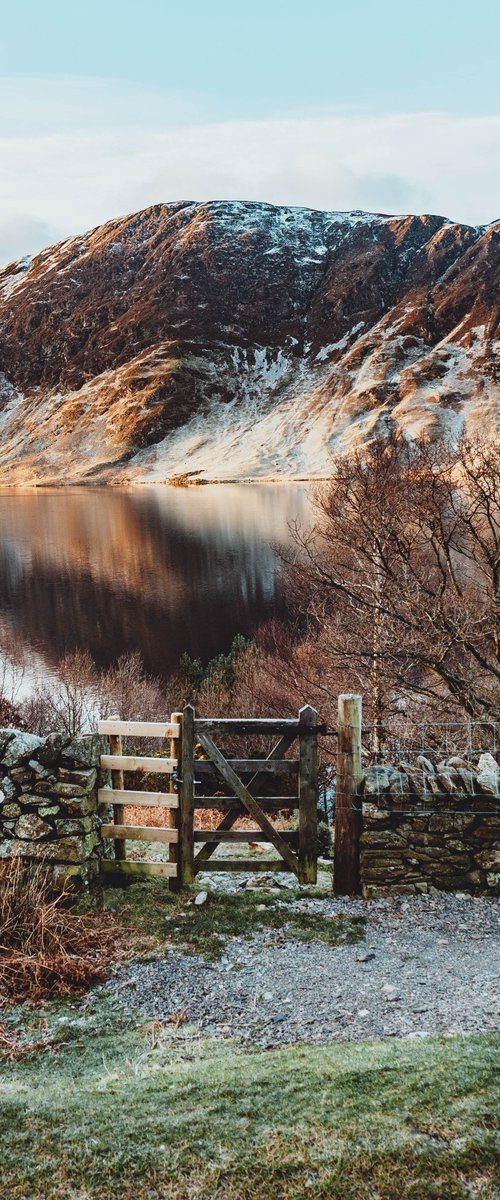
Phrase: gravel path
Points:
(429, 965)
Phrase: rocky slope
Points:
(237, 340)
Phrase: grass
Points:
(175, 919)
(99, 1106)
(120, 1111)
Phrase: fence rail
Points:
(153, 729)
(135, 762)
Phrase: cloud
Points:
(22, 234)
(77, 152)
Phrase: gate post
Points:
(118, 784)
(308, 795)
(346, 880)
(186, 798)
(173, 813)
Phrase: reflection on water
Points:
(160, 570)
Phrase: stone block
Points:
(78, 806)
(31, 827)
(40, 771)
(489, 860)
(52, 747)
(67, 827)
(468, 778)
(383, 838)
(6, 736)
(487, 831)
(377, 813)
(42, 787)
(440, 823)
(21, 775)
(68, 790)
(10, 810)
(66, 850)
(448, 780)
(32, 799)
(488, 776)
(20, 748)
(84, 779)
(85, 751)
(462, 821)
(474, 878)
(378, 778)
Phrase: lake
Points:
(160, 570)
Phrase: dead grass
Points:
(46, 950)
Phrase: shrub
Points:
(46, 950)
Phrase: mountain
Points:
(243, 340)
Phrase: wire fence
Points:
(425, 768)
(466, 739)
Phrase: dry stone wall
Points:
(48, 802)
(431, 827)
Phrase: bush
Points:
(45, 950)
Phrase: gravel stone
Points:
(430, 969)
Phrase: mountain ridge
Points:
(243, 340)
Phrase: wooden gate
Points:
(203, 775)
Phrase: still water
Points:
(159, 570)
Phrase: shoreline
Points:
(57, 485)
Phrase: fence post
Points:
(308, 795)
(186, 798)
(172, 814)
(346, 881)
(118, 784)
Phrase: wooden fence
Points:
(120, 797)
(235, 786)
(452, 843)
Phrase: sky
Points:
(107, 106)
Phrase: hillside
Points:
(242, 340)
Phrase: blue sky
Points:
(106, 107)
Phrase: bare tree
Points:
(126, 689)
(399, 581)
(68, 701)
